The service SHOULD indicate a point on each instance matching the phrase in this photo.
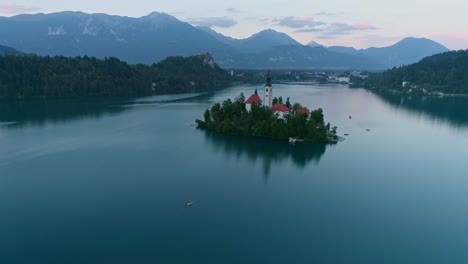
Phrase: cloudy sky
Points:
(359, 24)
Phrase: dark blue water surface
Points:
(106, 181)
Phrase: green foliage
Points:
(231, 118)
(288, 104)
(274, 101)
(31, 76)
(201, 124)
(446, 72)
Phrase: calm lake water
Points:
(106, 181)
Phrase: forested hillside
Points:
(31, 76)
(446, 72)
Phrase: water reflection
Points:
(267, 151)
(18, 114)
(451, 109)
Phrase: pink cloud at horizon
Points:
(14, 9)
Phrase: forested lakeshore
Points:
(32, 76)
(445, 73)
(232, 118)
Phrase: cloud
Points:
(338, 28)
(326, 29)
(14, 9)
(297, 22)
(327, 14)
(223, 22)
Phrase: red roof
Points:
(279, 108)
(303, 111)
(253, 99)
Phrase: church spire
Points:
(268, 80)
(267, 100)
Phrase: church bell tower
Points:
(268, 92)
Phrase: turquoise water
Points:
(106, 181)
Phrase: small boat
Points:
(346, 134)
(368, 129)
(190, 203)
(349, 117)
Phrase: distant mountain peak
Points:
(275, 35)
(418, 41)
(266, 39)
(268, 31)
(159, 17)
(314, 44)
(157, 14)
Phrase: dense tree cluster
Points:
(446, 72)
(232, 118)
(31, 76)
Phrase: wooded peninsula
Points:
(32, 76)
(445, 73)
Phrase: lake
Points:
(107, 181)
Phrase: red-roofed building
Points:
(280, 109)
(253, 99)
(303, 111)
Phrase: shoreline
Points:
(393, 91)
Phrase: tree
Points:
(274, 101)
(228, 118)
(207, 116)
(32, 76)
(288, 104)
(240, 98)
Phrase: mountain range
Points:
(151, 38)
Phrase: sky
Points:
(359, 24)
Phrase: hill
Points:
(4, 50)
(32, 76)
(406, 51)
(446, 72)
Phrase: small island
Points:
(268, 119)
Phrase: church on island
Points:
(278, 108)
(265, 116)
